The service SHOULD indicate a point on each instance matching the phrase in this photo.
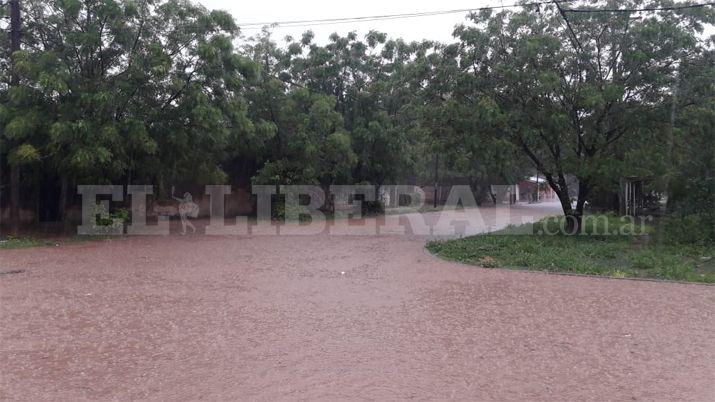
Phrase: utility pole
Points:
(15, 24)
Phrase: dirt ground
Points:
(334, 318)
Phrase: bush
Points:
(115, 219)
(372, 208)
(688, 229)
(281, 211)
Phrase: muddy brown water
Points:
(337, 318)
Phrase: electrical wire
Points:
(344, 20)
(329, 21)
(635, 10)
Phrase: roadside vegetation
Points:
(609, 246)
(13, 243)
(28, 241)
(168, 92)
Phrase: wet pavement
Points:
(372, 317)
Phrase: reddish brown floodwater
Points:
(334, 318)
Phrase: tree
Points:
(351, 76)
(691, 180)
(154, 92)
(22, 150)
(571, 87)
(112, 90)
(366, 80)
(462, 127)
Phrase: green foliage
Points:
(14, 242)
(594, 225)
(691, 180)
(327, 112)
(688, 229)
(25, 154)
(156, 92)
(587, 101)
(114, 219)
(113, 89)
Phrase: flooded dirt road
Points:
(336, 318)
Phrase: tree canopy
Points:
(165, 91)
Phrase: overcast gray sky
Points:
(438, 27)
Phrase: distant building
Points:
(531, 189)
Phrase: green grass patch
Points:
(13, 243)
(624, 253)
(28, 242)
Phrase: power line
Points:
(327, 21)
(568, 25)
(385, 17)
(635, 10)
(285, 25)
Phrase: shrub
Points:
(115, 219)
(688, 229)
(372, 208)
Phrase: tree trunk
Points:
(329, 204)
(62, 204)
(15, 198)
(565, 201)
(573, 216)
(15, 30)
(574, 220)
(15, 23)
